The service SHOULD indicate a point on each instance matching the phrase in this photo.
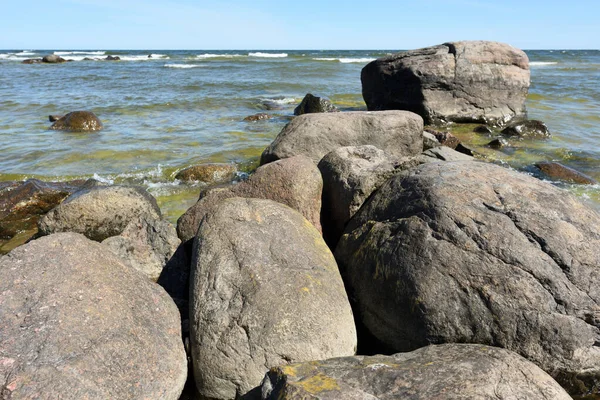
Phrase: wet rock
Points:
(350, 175)
(498, 143)
(257, 117)
(483, 129)
(470, 252)
(209, 173)
(400, 133)
(265, 291)
(314, 104)
(450, 371)
(100, 212)
(32, 61)
(77, 323)
(54, 118)
(77, 121)
(561, 172)
(270, 105)
(147, 244)
(295, 182)
(113, 58)
(445, 138)
(53, 59)
(530, 128)
(470, 81)
(23, 203)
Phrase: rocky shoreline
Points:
(365, 258)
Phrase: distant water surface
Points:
(177, 108)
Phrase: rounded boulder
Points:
(265, 291)
(78, 121)
(77, 323)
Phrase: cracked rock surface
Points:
(77, 323)
(449, 371)
(471, 252)
(468, 81)
(265, 291)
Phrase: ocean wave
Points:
(66, 53)
(208, 55)
(541, 63)
(183, 66)
(281, 100)
(143, 57)
(25, 53)
(345, 60)
(268, 55)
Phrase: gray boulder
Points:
(295, 182)
(350, 175)
(471, 252)
(77, 323)
(78, 121)
(470, 81)
(449, 371)
(53, 59)
(265, 291)
(314, 104)
(398, 133)
(147, 244)
(100, 212)
(430, 141)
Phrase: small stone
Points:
(208, 173)
(498, 143)
(482, 129)
(530, 128)
(257, 117)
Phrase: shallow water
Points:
(180, 108)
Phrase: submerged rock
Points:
(314, 104)
(77, 121)
(400, 133)
(450, 371)
(77, 323)
(295, 182)
(561, 172)
(498, 143)
(208, 173)
(469, 81)
(54, 118)
(257, 117)
(100, 212)
(32, 61)
(530, 128)
(471, 252)
(483, 129)
(265, 291)
(113, 58)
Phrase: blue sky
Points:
(305, 24)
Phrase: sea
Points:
(165, 110)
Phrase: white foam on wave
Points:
(208, 55)
(285, 100)
(183, 66)
(143, 57)
(344, 59)
(66, 53)
(25, 53)
(268, 55)
(541, 63)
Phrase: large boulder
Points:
(53, 59)
(265, 290)
(100, 212)
(78, 121)
(470, 81)
(77, 323)
(295, 182)
(350, 175)
(22, 204)
(147, 244)
(450, 371)
(398, 133)
(314, 104)
(472, 252)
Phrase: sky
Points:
(305, 24)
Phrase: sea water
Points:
(165, 110)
